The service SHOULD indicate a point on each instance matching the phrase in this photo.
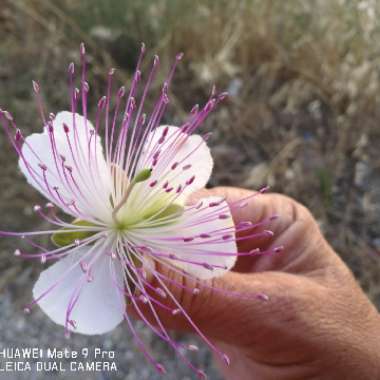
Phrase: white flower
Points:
(127, 203)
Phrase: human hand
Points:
(316, 323)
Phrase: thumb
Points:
(225, 308)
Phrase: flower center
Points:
(128, 213)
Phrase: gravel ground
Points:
(36, 330)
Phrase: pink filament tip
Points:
(223, 95)
(102, 102)
(82, 48)
(36, 87)
(161, 369)
(262, 297)
(226, 359)
(121, 92)
(201, 375)
(192, 347)
(71, 68)
(8, 115)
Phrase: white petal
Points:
(91, 174)
(100, 306)
(212, 251)
(177, 151)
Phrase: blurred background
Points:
(302, 116)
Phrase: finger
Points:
(294, 229)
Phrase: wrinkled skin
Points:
(317, 323)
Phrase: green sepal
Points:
(62, 238)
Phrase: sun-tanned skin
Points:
(317, 322)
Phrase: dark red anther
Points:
(155, 156)
(165, 131)
(18, 136)
(191, 180)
